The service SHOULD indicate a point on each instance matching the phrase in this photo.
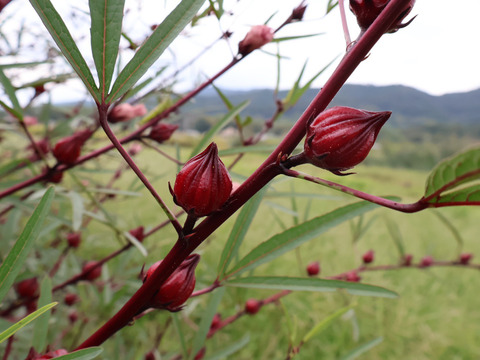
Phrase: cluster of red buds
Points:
(203, 185)
(68, 149)
(367, 11)
(177, 288)
(341, 137)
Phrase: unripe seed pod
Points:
(367, 11)
(67, 150)
(313, 268)
(203, 185)
(341, 137)
(252, 306)
(162, 132)
(27, 288)
(91, 270)
(258, 36)
(178, 287)
(368, 257)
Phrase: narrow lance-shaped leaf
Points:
(105, 34)
(229, 350)
(295, 236)
(310, 284)
(60, 34)
(25, 321)
(40, 330)
(322, 325)
(154, 46)
(452, 172)
(10, 91)
(18, 254)
(239, 230)
(84, 354)
(354, 354)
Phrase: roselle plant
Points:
(88, 238)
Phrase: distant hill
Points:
(410, 107)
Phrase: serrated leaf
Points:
(18, 254)
(310, 284)
(322, 325)
(229, 350)
(239, 230)
(217, 127)
(41, 325)
(206, 321)
(154, 46)
(362, 349)
(84, 354)
(297, 235)
(105, 32)
(25, 321)
(60, 34)
(10, 91)
(452, 172)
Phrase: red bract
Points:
(367, 11)
(27, 288)
(125, 112)
(74, 240)
(67, 150)
(91, 270)
(368, 257)
(341, 137)
(313, 268)
(203, 185)
(178, 287)
(258, 36)
(162, 132)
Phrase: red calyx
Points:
(252, 306)
(74, 239)
(203, 185)
(162, 132)
(178, 287)
(367, 11)
(313, 268)
(341, 137)
(91, 270)
(67, 150)
(368, 257)
(27, 288)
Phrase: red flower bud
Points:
(53, 176)
(74, 239)
(138, 233)
(200, 354)
(71, 299)
(217, 319)
(258, 36)
(67, 150)
(367, 11)
(252, 306)
(465, 258)
(298, 12)
(52, 354)
(178, 287)
(368, 257)
(91, 270)
(43, 146)
(73, 316)
(162, 132)
(341, 137)
(352, 276)
(125, 112)
(407, 260)
(313, 268)
(27, 288)
(203, 185)
(426, 261)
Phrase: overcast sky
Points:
(438, 53)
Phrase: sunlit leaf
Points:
(322, 325)
(10, 91)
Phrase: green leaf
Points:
(396, 235)
(452, 172)
(207, 317)
(60, 34)
(18, 254)
(295, 236)
(218, 126)
(466, 196)
(310, 284)
(78, 209)
(105, 34)
(134, 241)
(10, 91)
(26, 320)
(84, 354)
(154, 46)
(362, 349)
(322, 325)
(178, 330)
(229, 350)
(286, 38)
(40, 330)
(449, 225)
(239, 230)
